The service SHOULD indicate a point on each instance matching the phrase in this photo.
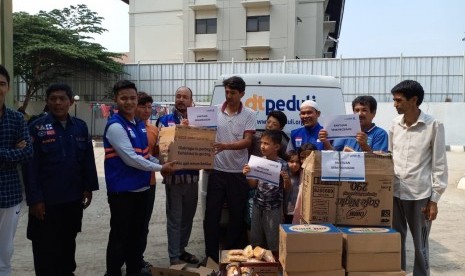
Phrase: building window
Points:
(205, 26)
(258, 23)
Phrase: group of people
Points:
(60, 175)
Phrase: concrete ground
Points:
(447, 239)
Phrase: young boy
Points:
(267, 206)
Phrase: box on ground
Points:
(191, 147)
(370, 239)
(377, 262)
(366, 203)
(316, 238)
(185, 270)
(384, 273)
(259, 268)
(304, 262)
(339, 272)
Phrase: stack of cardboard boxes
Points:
(366, 251)
(310, 250)
(371, 251)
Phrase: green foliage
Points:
(57, 44)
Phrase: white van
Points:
(284, 92)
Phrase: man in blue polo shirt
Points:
(371, 138)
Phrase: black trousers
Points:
(148, 216)
(128, 215)
(233, 188)
(54, 239)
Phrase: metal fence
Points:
(443, 77)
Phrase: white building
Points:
(219, 30)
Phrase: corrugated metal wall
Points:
(442, 77)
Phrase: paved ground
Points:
(447, 239)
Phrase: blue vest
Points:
(119, 176)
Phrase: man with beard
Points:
(309, 114)
(371, 138)
(181, 189)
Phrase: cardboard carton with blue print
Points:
(367, 203)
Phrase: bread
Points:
(268, 257)
(237, 258)
(258, 252)
(248, 251)
(236, 252)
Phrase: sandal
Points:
(189, 258)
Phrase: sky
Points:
(114, 12)
(370, 28)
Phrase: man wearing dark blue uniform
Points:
(59, 182)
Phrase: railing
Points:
(443, 77)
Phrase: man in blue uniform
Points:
(309, 114)
(59, 182)
(15, 148)
(370, 138)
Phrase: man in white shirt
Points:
(417, 142)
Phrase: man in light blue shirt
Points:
(371, 138)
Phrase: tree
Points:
(57, 44)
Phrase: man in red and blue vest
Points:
(128, 165)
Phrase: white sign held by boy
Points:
(264, 169)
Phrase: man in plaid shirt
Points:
(15, 148)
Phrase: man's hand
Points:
(86, 199)
(323, 135)
(431, 210)
(185, 122)
(38, 210)
(21, 144)
(168, 168)
(219, 147)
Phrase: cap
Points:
(310, 103)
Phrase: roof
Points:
(283, 80)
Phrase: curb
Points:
(455, 148)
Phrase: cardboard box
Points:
(349, 203)
(339, 272)
(192, 147)
(384, 273)
(304, 262)
(376, 262)
(370, 240)
(317, 238)
(259, 268)
(184, 270)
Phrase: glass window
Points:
(205, 26)
(258, 23)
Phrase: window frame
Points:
(259, 25)
(208, 28)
